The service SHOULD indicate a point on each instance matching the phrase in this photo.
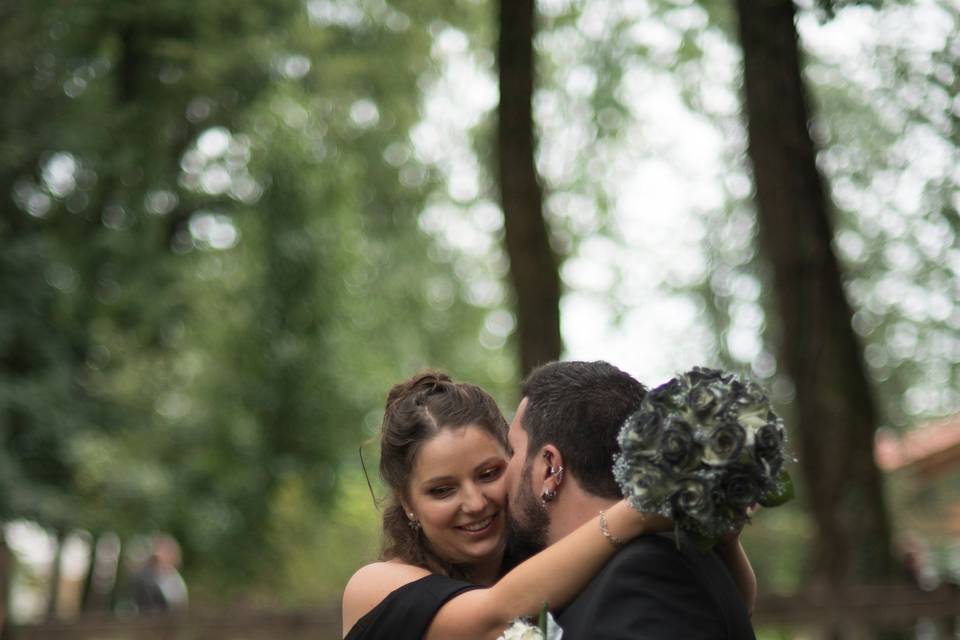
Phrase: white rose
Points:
(521, 630)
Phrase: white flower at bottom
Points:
(521, 630)
(554, 631)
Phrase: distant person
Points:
(915, 562)
(158, 587)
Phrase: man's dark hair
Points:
(579, 407)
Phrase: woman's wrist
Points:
(605, 530)
(630, 523)
(728, 546)
(623, 522)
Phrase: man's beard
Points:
(529, 536)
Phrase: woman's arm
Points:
(555, 576)
(733, 555)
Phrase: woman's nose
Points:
(474, 500)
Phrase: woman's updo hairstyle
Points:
(416, 411)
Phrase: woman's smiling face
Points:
(458, 493)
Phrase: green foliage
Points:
(318, 561)
(211, 271)
(898, 251)
(212, 262)
(777, 541)
(884, 121)
(785, 491)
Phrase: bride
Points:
(443, 572)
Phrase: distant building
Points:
(923, 468)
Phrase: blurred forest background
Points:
(226, 228)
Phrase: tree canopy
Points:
(226, 228)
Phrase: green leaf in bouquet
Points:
(784, 492)
(542, 620)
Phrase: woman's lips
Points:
(479, 527)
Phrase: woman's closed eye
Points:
(440, 492)
(491, 473)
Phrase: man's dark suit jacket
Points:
(650, 590)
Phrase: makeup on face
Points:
(458, 494)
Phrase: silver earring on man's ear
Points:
(557, 474)
(548, 495)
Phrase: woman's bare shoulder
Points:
(388, 575)
(371, 584)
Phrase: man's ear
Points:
(549, 468)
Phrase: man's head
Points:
(569, 419)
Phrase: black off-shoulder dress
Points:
(406, 613)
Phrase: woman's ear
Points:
(406, 507)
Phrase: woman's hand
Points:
(656, 523)
(625, 523)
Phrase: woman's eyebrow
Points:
(489, 461)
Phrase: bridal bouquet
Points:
(703, 449)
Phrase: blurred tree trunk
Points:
(101, 585)
(534, 268)
(834, 403)
(88, 596)
(6, 573)
(53, 589)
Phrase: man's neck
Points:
(573, 508)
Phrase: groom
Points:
(569, 418)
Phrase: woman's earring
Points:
(413, 522)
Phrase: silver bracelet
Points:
(615, 541)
